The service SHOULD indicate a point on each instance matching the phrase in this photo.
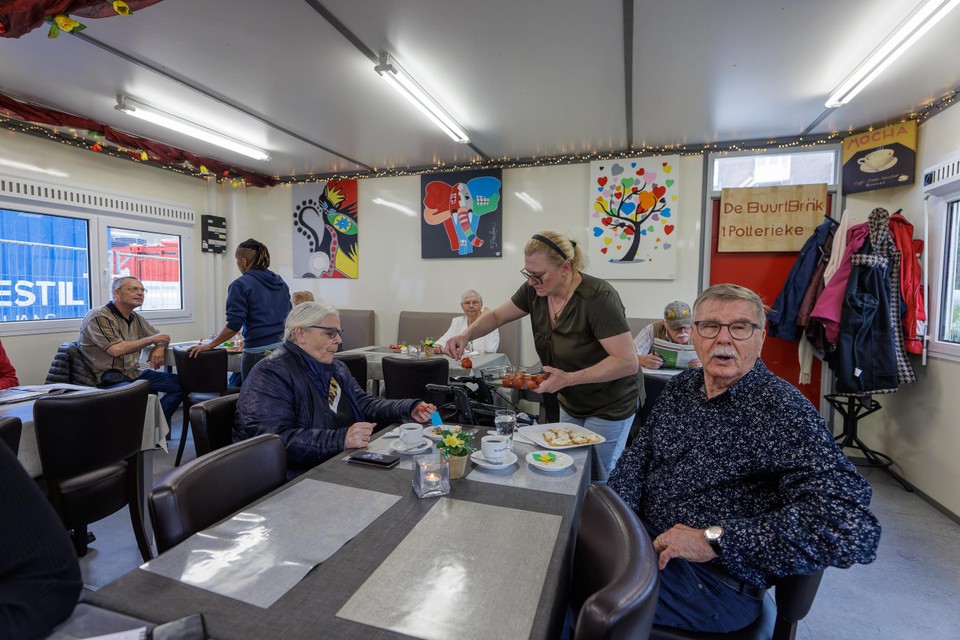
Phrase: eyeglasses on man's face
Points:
(136, 289)
(739, 330)
(538, 277)
(332, 332)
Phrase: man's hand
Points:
(695, 364)
(358, 436)
(650, 361)
(157, 357)
(455, 346)
(161, 339)
(686, 543)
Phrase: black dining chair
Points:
(212, 423)
(781, 614)
(408, 377)
(357, 365)
(89, 445)
(208, 489)
(201, 378)
(615, 576)
(10, 429)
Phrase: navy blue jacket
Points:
(258, 303)
(286, 394)
(783, 313)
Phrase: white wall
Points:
(394, 278)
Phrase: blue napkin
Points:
(435, 419)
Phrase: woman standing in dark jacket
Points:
(257, 303)
(301, 393)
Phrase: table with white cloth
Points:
(350, 551)
(375, 355)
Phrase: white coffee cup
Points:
(494, 448)
(877, 159)
(411, 433)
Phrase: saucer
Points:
(401, 447)
(560, 460)
(867, 169)
(483, 463)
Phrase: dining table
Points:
(350, 551)
(233, 359)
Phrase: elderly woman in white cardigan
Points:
(472, 304)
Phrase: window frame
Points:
(936, 248)
(68, 203)
(833, 186)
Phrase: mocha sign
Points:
(770, 218)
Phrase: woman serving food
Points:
(581, 334)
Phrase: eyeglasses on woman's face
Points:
(538, 277)
(739, 330)
(332, 332)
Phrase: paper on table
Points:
(675, 356)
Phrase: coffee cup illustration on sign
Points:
(877, 160)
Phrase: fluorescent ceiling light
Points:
(909, 31)
(400, 80)
(151, 114)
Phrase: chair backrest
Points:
(794, 596)
(615, 577)
(358, 366)
(211, 487)
(359, 328)
(408, 377)
(639, 323)
(204, 374)
(70, 365)
(87, 430)
(212, 422)
(414, 326)
(10, 429)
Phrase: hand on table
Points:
(423, 411)
(358, 435)
(686, 543)
(650, 361)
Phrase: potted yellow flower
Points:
(428, 347)
(455, 445)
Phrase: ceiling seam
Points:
(812, 125)
(628, 68)
(215, 97)
(352, 38)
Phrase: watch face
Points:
(713, 534)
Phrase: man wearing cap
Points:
(675, 327)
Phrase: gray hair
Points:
(471, 292)
(733, 293)
(307, 314)
(118, 282)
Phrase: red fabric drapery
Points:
(18, 17)
(155, 150)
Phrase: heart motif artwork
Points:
(633, 201)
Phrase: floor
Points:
(911, 591)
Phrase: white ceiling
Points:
(524, 78)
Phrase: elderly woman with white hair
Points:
(472, 304)
(301, 393)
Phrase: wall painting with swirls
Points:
(462, 216)
(325, 230)
(632, 218)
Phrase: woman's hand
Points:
(650, 361)
(197, 349)
(358, 435)
(558, 380)
(423, 411)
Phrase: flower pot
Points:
(428, 350)
(458, 466)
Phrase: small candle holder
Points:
(431, 475)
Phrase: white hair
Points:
(307, 314)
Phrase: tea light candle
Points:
(431, 476)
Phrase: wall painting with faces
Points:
(632, 218)
(325, 230)
(462, 217)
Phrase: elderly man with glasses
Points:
(737, 478)
(111, 338)
(304, 395)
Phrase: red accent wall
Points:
(765, 273)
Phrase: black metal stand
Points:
(852, 408)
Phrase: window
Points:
(61, 247)
(950, 291)
(770, 169)
(44, 267)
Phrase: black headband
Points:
(550, 243)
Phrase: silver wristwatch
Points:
(713, 535)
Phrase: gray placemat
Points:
(261, 553)
(525, 476)
(466, 570)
